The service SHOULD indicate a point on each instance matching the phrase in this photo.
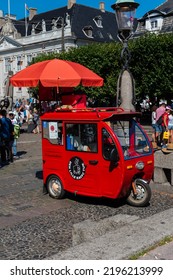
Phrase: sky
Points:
(17, 7)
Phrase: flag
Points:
(26, 23)
(26, 7)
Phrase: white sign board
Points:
(53, 130)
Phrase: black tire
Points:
(143, 194)
(55, 187)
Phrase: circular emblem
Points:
(76, 168)
(52, 128)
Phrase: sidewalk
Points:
(131, 237)
(164, 252)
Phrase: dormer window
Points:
(88, 31)
(98, 21)
(110, 36)
(100, 34)
(154, 24)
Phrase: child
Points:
(16, 134)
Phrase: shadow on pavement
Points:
(20, 153)
(39, 174)
(115, 203)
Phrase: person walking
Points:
(16, 134)
(36, 121)
(159, 121)
(165, 124)
(153, 123)
(166, 117)
(6, 133)
(29, 121)
(170, 126)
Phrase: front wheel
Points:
(55, 187)
(142, 196)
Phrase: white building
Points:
(159, 20)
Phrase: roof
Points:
(166, 7)
(165, 10)
(91, 114)
(80, 17)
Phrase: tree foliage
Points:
(151, 65)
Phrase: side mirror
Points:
(114, 156)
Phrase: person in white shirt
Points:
(170, 126)
(153, 122)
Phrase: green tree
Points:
(151, 66)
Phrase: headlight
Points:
(139, 165)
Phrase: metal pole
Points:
(63, 44)
(26, 24)
(9, 8)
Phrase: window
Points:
(110, 36)
(100, 34)
(53, 131)
(88, 31)
(108, 144)
(81, 137)
(132, 139)
(98, 21)
(154, 24)
(7, 65)
(19, 63)
(29, 59)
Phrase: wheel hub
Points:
(55, 187)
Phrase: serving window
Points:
(81, 137)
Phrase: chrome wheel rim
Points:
(55, 186)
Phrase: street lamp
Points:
(125, 15)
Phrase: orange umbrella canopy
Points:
(56, 73)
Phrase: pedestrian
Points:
(159, 121)
(30, 121)
(16, 134)
(165, 123)
(6, 133)
(36, 121)
(170, 126)
(153, 123)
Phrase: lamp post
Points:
(125, 15)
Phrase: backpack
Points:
(160, 120)
(16, 131)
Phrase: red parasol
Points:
(56, 73)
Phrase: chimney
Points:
(32, 13)
(70, 3)
(102, 6)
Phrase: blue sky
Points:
(17, 7)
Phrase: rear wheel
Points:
(143, 195)
(55, 187)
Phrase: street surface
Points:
(35, 226)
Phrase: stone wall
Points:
(163, 167)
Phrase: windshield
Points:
(133, 140)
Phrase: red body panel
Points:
(100, 177)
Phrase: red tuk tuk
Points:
(98, 152)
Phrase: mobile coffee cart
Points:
(98, 152)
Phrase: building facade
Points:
(159, 20)
(51, 32)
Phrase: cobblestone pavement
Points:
(35, 226)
